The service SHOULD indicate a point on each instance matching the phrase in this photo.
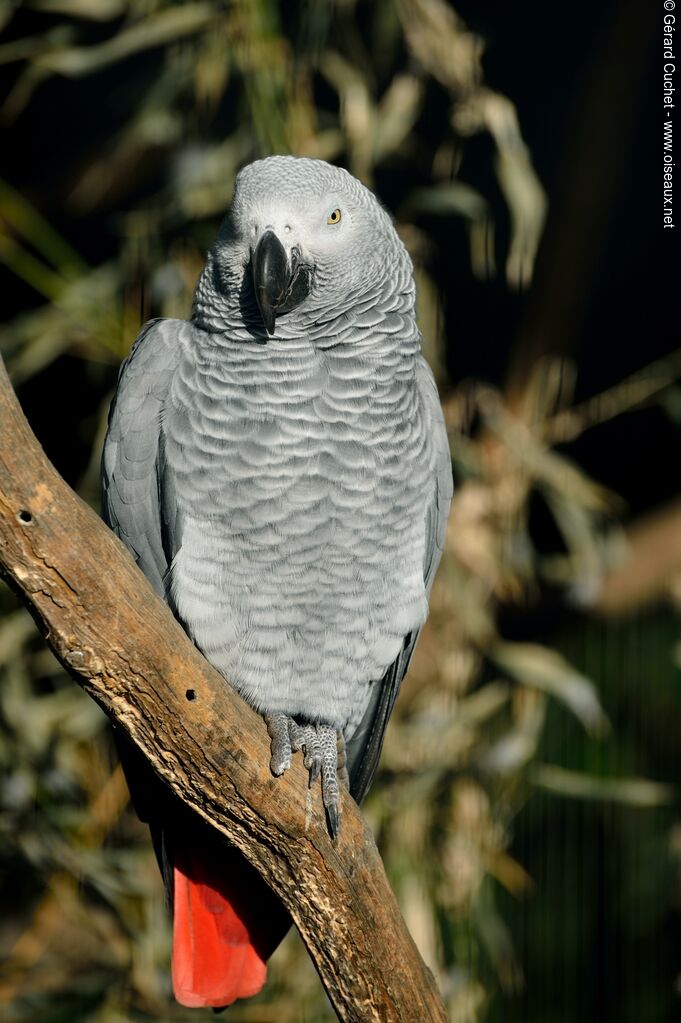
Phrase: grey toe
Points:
(321, 745)
(277, 727)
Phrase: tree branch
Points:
(123, 646)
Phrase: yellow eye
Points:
(334, 218)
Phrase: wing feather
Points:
(134, 473)
(135, 485)
(363, 750)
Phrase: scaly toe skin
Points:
(278, 729)
(328, 738)
(301, 736)
(324, 754)
(343, 775)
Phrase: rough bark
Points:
(122, 645)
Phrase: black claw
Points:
(333, 818)
(315, 771)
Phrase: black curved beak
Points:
(279, 283)
(271, 277)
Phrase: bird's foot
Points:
(324, 751)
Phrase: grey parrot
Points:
(279, 468)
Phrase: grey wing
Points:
(363, 750)
(137, 487)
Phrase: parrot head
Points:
(303, 240)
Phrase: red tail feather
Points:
(214, 958)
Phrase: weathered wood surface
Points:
(122, 645)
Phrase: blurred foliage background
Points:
(527, 805)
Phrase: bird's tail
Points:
(226, 922)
